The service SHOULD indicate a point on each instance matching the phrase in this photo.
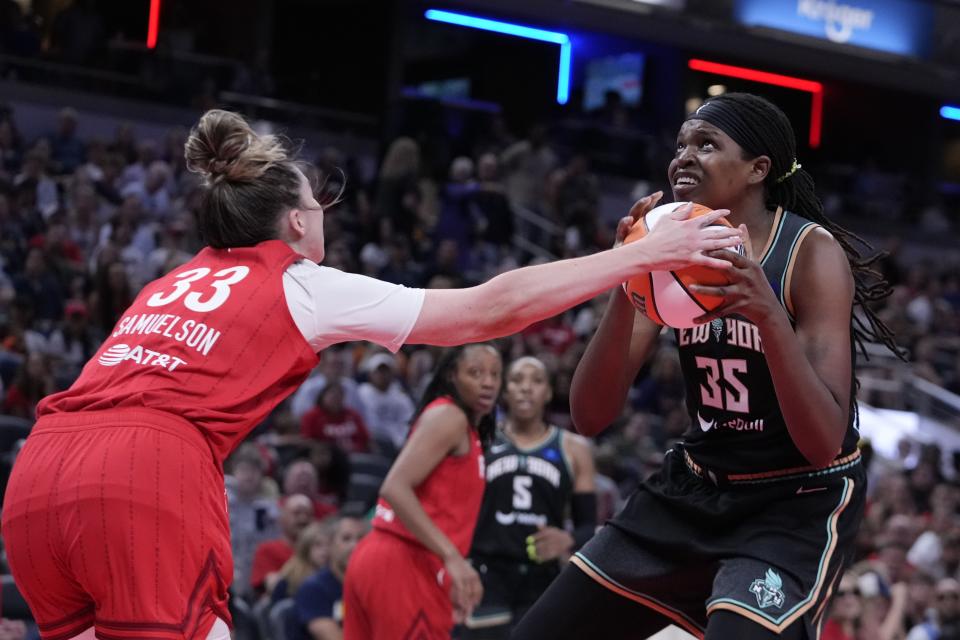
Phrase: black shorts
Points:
(771, 549)
(510, 587)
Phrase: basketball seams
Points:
(643, 290)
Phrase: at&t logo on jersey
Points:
(120, 353)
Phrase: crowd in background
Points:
(85, 223)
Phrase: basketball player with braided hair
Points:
(114, 519)
(745, 530)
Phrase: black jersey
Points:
(736, 423)
(526, 488)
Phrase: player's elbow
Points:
(502, 311)
(586, 420)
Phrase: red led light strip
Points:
(153, 27)
(814, 88)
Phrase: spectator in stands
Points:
(41, 287)
(34, 175)
(944, 619)
(67, 151)
(387, 406)
(526, 165)
(173, 249)
(332, 421)
(32, 382)
(489, 200)
(73, 343)
(253, 512)
(310, 554)
(398, 198)
(302, 478)
(83, 218)
(843, 620)
(318, 609)
(296, 513)
(400, 267)
(112, 294)
(334, 366)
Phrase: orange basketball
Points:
(664, 295)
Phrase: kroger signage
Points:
(896, 26)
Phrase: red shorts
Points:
(394, 590)
(118, 520)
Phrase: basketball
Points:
(664, 296)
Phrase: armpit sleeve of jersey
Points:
(331, 306)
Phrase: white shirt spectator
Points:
(388, 412)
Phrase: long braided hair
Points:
(761, 128)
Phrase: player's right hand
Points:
(466, 590)
(637, 211)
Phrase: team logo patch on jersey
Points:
(768, 590)
(717, 326)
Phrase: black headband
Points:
(730, 120)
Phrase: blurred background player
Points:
(409, 578)
(174, 389)
(746, 530)
(538, 478)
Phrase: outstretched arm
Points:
(514, 300)
(622, 343)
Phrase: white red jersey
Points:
(215, 342)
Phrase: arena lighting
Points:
(554, 37)
(814, 88)
(949, 112)
(153, 26)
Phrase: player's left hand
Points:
(549, 543)
(748, 294)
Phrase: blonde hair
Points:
(299, 567)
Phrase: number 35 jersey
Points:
(737, 426)
(213, 342)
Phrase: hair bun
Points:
(223, 147)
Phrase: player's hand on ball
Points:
(749, 293)
(549, 543)
(679, 241)
(637, 211)
(466, 590)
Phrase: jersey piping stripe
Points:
(817, 621)
(606, 581)
(787, 277)
(781, 474)
(779, 624)
(775, 230)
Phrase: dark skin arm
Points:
(810, 367)
(441, 431)
(606, 370)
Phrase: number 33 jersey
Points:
(736, 423)
(213, 342)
